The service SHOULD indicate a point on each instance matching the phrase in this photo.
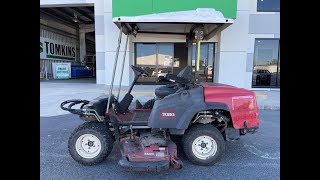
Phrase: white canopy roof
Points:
(200, 15)
(180, 22)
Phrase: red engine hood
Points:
(242, 103)
(225, 89)
(206, 84)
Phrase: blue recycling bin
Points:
(80, 72)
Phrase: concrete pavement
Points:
(268, 100)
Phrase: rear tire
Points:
(203, 144)
(90, 143)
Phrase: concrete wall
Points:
(235, 63)
(106, 38)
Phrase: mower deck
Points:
(144, 166)
(151, 152)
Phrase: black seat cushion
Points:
(166, 90)
(99, 104)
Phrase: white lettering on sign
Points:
(148, 154)
(57, 50)
(169, 114)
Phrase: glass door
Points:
(165, 61)
(155, 58)
(146, 58)
(206, 61)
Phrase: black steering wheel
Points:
(139, 69)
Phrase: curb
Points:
(268, 107)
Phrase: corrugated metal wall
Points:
(45, 63)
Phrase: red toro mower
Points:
(204, 115)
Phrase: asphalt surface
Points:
(254, 156)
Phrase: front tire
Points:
(203, 144)
(90, 143)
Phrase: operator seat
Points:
(164, 91)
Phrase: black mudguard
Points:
(99, 104)
(177, 110)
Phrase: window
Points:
(268, 6)
(156, 59)
(146, 58)
(266, 63)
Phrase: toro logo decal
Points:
(168, 114)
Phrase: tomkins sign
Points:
(51, 49)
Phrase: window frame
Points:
(270, 86)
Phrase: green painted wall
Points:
(142, 7)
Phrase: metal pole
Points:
(123, 61)
(114, 67)
(197, 55)
(46, 70)
(93, 65)
(198, 37)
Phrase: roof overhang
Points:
(180, 22)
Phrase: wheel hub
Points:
(204, 147)
(88, 146)
(90, 143)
